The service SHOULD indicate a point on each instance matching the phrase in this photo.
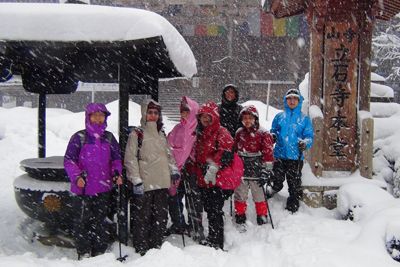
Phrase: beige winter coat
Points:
(156, 159)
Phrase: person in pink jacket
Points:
(181, 140)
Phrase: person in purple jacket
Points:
(91, 158)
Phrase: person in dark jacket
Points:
(213, 148)
(229, 109)
(90, 160)
(294, 134)
(254, 145)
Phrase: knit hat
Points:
(293, 93)
(153, 106)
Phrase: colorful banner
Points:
(257, 24)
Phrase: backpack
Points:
(82, 135)
(139, 133)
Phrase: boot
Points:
(261, 219)
(240, 222)
(240, 219)
(292, 205)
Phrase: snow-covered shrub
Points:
(358, 201)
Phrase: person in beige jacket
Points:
(151, 169)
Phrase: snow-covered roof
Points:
(70, 22)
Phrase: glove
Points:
(138, 190)
(302, 145)
(264, 178)
(211, 174)
(269, 165)
(175, 176)
(274, 138)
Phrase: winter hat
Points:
(153, 106)
(250, 110)
(293, 93)
(185, 107)
(246, 113)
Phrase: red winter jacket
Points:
(253, 141)
(205, 145)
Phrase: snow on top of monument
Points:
(377, 78)
(71, 22)
(380, 90)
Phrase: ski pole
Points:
(83, 176)
(299, 161)
(268, 210)
(180, 214)
(231, 200)
(119, 215)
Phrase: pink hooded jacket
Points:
(181, 138)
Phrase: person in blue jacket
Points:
(293, 134)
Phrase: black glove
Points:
(264, 178)
(274, 138)
(302, 145)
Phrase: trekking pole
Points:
(231, 200)
(180, 214)
(84, 175)
(268, 210)
(190, 204)
(299, 161)
(119, 216)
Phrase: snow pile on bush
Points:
(377, 210)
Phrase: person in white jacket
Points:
(152, 170)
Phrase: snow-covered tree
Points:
(386, 48)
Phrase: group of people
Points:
(195, 161)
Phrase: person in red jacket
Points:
(213, 151)
(254, 145)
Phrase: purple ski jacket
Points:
(97, 156)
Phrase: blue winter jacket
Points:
(290, 127)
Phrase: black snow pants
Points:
(149, 217)
(213, 201)
(288, 168)
(91, 228)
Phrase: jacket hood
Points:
(298, 108)
(94, 129)
(251, 110)
(143, 109)
(224, 100)
(193, 107)
(211, 109)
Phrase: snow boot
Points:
(177, 229)
(262, 219)
(83, 256)
(292, 205)
(240, 222)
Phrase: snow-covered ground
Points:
(311, 237)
